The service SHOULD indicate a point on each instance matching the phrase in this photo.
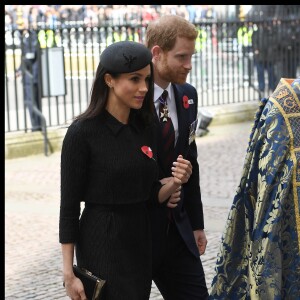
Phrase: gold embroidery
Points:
(289, 102)
(292, 135)
(282, 94)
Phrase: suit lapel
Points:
(178, 93)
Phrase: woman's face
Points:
(130, 89)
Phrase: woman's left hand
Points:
(182, 169)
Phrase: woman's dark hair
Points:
(99, 96)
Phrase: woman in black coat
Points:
(108, 161)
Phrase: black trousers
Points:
(32, 100)
(177, 273)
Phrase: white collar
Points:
(158, 91)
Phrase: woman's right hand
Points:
(181, 171)
(174, 198)
(74, 288)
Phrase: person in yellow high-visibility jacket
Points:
(48, 39)
(117, 36)
(200, 40)
(244, 39)
(244, 36)
(113, 37)
(132, 35)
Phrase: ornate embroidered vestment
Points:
(259, 255)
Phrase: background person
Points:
(290, 49)
(105, 164)
(178, 234)
(265, 56)
(30, 70)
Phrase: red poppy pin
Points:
(148, 151)
(185, 101)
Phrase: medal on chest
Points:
(164, 115)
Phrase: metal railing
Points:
(224, 65)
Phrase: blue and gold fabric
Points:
(259, 255)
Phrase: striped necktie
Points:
(167, 129)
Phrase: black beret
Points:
(125, 57)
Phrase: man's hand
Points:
(201, 240)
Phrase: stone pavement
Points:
(32, 192)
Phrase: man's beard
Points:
(169, 74)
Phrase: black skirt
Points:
(115, 244)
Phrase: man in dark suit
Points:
(30, 70)
(263, 40)
(178, 230)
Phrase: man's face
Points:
(175, 65)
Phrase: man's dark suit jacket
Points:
(188, 215)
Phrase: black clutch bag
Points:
(91, 283)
